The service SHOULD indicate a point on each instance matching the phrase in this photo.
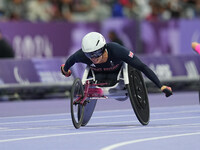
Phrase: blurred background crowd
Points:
(159, 31)
(97, 10)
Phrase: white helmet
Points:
(93, 41)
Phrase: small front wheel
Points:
(77, 110)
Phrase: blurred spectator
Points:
(2, 10)
(16, 10)
(61, 10)
(138, 9)
(175, 7)
(197, 8)
(155, 11)
(188, 9)
(117, 10)
(56, 4)
(83, 10)
(114, 37)
(90, 10)
(97, 10)
(66, 9)
(6, 50)
(40, 10)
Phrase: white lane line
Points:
(82, 133)
(40, 121)
(180, 118)
(97, 117)
(36, 128)
(54, 120)
(157, 113)
(29, 116)
(117, 116)
(176, 112)
(96, 112)
(63, 114)
(103, 123)
(114, 146)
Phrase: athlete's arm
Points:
(130, 58)
(69, 62)
(138, 64)
(77, 57)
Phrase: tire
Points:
(138, 95)
(77, 110)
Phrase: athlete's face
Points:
(97, 60)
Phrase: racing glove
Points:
(68, 73)
(167, 90)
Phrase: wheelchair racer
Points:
(107, 58)
(196, 47)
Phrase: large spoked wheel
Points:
(138, 95)
(77, 110)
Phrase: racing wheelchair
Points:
(126, 83)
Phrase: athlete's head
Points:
(93, 45)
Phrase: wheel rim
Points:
(76, 108)
(77, 94)
(138, 96)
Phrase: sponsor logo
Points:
(105, 69)
(191, 69)
(163, 71)
(32, 46)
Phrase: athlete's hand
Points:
(68, 73)
(167, 90)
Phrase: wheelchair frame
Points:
(93, 91)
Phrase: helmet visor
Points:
(96, 53)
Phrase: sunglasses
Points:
(96, 53)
